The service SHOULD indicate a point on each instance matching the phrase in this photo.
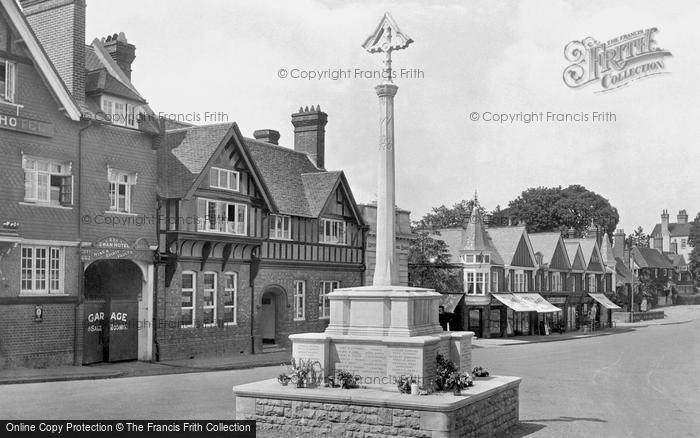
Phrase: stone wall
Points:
(492, 411)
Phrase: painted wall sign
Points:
(29, 126)
(116, 248)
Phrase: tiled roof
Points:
(296, 185)
(587, 248)
(624, 275)
(679, 260)
(100, 81)
(675, 229)
(650, 258)
(572, 247)
(606, 250)
(456, 240)
(546, 244)
(506, 240)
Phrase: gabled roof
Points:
(573, 250)
(189, 153)
(678, 261)
(506, 241)
(589, 246)
(111, 67)
(650, 258)
(606, 251)
(47, 71)
(675, 229)
(624, 275)
(547, 244)
(458, 240)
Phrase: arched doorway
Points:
(273, 309)
(112, 292)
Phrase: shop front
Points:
(524, 313)
(601, 310)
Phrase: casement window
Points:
(519, 282)
(556, 282)
(684, 243)
(280, 227)
(468, 258)
(477, 283)
(592, 283)
(299, 300)
(224, 179)
(494, 281)
(222, 217)
(47, 182)
(333, 231)
(7, 80)
(209, 298)
(324, 304)
(483, 258)
(121, 185)
(187, 302)
(230, 298)
(42, 270)
(120, 112)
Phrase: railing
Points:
(646, 316)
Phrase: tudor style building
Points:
(254, 237)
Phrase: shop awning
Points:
(450, 301)
(514, 303)
(604, 301)
(539, 303)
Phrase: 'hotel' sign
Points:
(29, 126)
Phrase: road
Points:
(640, 383)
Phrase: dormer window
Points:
(476, 258)
(120, 112)
(7, 80)
(224, 179)
(483, 258)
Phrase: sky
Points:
(484, 57)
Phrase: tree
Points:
(447, 217)
(559, 209)
(694, 241)
(429, 265)
(638, 238)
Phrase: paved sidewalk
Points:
(136, 368)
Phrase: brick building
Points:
(124, 236)
(253, 237)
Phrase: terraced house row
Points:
(125, 236)
(520, 283)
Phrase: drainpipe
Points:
(254, 267)
(81, 275)
(156, 267)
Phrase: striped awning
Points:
(604, 301)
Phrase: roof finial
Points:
(476, 197)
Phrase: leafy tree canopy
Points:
(638, 238)
(559, 209)
(428, 265)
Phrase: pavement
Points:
(674, 315)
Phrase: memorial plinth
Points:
(382, 333)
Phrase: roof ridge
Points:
(189, 128)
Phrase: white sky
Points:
(499, 56)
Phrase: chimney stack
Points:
(682, 217)
(619, 244)
(665, 233)
(572, 232)
(310, 133)
(267, 135)
(121, 51)
(60, 27)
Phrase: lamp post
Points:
(632, 288)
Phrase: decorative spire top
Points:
(386, 39)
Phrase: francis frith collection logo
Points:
(615, 63)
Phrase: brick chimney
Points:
(60, 27)
(682, 217)
(267, 135)
(619, 243)
(310, 133)
(121, 51)
(665, 233)
(572, 233)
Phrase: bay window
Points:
(477, 283)
(222, 217)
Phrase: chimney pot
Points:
(121, 51)
(267, 135)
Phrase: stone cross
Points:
(386, 39)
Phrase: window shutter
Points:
(10, 81)
(66, 197)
